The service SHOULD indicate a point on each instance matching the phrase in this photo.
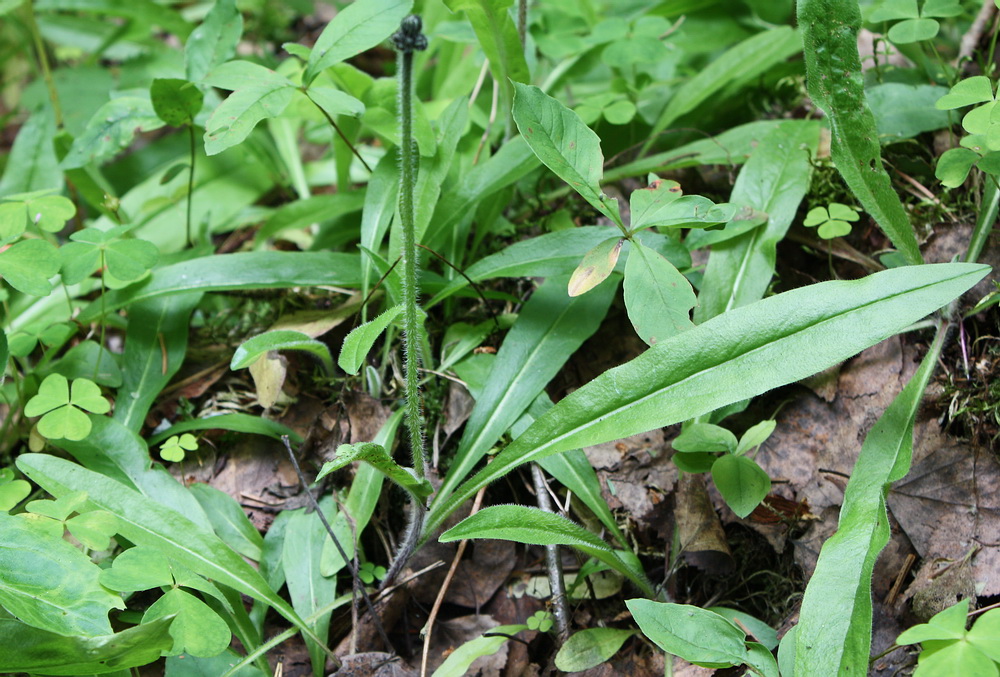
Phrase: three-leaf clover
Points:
(48, 212)
(12, 491)
(61, 407)
(950, 649)
(27, 266)
(833, 221)
(980, 147)
(93, 528)
(541, 621)
(368, 573)
(126, 260)
(915, 25)
(173, 449)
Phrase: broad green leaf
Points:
(13, 492)
(589, 648)
(705, 437)
(536, 527)
(985, 634)
(734, 356)
(236, 117)
(94, 529)
(953, 166)
(229, 520)
(549, 329)
(695, 462)
(955, 659)
(146, 522)
(595, 267)
(947, 624)
(359, 342)
(774, 180)
(893, 10)
(248, 270)
(88, 360)
(60, 508)
(197, 630)
(308, 589)
(833, 70)
(144, 12)
(657, 297)
(904, 111)
(228, 663)
(155, 346)
(334, 102)
(834, 629)
(176, 101)
(24, 648)
(381, 197)
(28, 265)
(742, 482)
(317, 209)
(762, 632)
(697, 635)
(279, 339)
(32, 164)
(356, 27)
(740, 64)
(111, 129)
(564, 144)
(49, 584)
(913, 30)
(755, 436)
(646, 204)
(214, 41)
(138, 568)
(977, 89)
(234, 75)
(458, 661)
(376, 456)
(243, 423)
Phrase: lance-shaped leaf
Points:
(534, 526)
(279, 339)
(564, 144)
(214, 41)
(697, 635)
(24, 648)
(111, 129)
(657, 297)
(359, 342)
(595, 267)
(376, 456)
(355, 28)
(646, 205)
(734, 356)
(236, 117)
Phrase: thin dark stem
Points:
(522, 20)
(348, 562)
(472, 284)
(340, 132)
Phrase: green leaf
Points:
(762, 632)
(243, 423)
(595, 267)
(279, 339)
(957, 658)
(86, 394)
(94, 529)
(985, 634)
(175, 447)
(144, 12)
(138, 568)
(832, 229)
(755, 436)
(236, 117)
(248, 270)
(836, 617)
(32, 164)
(740, 64)
(66, 422)
(913, 30)
(941, 8)
(13, 492)
(41, 652)
(893, 10)
(589, 648)
(214, 41)
(977, 89)
(695, 462)
(228, 519)
(13, 221)
(698, 636)
(657, 297)
(647, 204)
(50, 212)
(111, 129)
(774, 181)
(47, 583)
(146, 522)
(458, 661)
(334, 102)
(953, 166)
(53, 392)
(60, 508)
(833, 71)
(28, 265)
(794, 334)
(536, 527)
(176, 101)
(234, 75)
(549, 329)
(359, 342)
(564, 144)
(86, 358)
(742, 482)
(705, 437)
(903, 111)
(357, 27)
(378, 458)
(197, 630)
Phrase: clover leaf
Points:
(541, 621)
(12, 491)
(48, 212)
(914, 25)
(62, 407)
(950, 649)
(27, 266)
(368, 573)
(126, 259)
(173, 449)
(93, 529)
(832, 220)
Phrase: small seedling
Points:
(369, 573)
(62, 408)
(541, 621)
(175, 447)
(833, 221)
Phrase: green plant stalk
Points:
(43, 60)
(190, 195)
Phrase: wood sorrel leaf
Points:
(657, 297)
(564, 144)
(196, 629)
(742, 482)
(27, 266)
(595, 267)
(977, 89)
(730, 358)
(697, 635)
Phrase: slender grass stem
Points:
(190, 195)
(43, 61)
